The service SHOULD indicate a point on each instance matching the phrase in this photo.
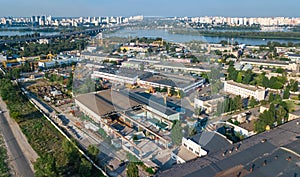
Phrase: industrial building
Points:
(123, 114)
(176, 67)
(293, 66)
(133, 64)
(119, 75)
(184, 83)
(132, 76)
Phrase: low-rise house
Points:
(208, 103)
(199, 145)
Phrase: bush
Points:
(150, 171)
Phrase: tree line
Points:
(248, 77)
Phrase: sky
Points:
(166, 8)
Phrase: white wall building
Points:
(209, 104)
(53, 63)
(189, 150)
(244, 90)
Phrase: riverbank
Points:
(197, 35)
(240, 34)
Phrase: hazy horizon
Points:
(163, 8)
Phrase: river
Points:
(186, 38)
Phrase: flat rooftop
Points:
(152, 101)
(131, 73)
(244, 86)
(208, 98)
(181, 65)
(185, 154)
(106, 102)
(277, 164)
(251, 151)
(265, 61)
(172, 80)
(132, 62)
(211, 141)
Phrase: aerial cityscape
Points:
(135, 89)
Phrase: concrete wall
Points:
(193, 147)
(177, 158)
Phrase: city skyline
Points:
(232, 8)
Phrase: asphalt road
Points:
(21, 165)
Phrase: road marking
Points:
(291, 151)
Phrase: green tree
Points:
(15, 73)
(259, 126)
(164, 89)
(176, 133)
(272, 110)
(132, 170)
(180, 94)
(271, 97)
(45, 166)
(93, 152)
(252, 102)
(277, 99)
(266, 118)
(192, 131)
(172, 91)
(220, 108)
(248, 77)
(72, 156)
(280, 114)
(286, 94)
(85, 168)
(239, 78)
(15, 115)
(232, 72)
(294, 87)
(218, 52)
(70, 81)
(238, 102)
(265, 82)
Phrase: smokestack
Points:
(165, 99)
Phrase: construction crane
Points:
(46, 58)
(50, 56)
